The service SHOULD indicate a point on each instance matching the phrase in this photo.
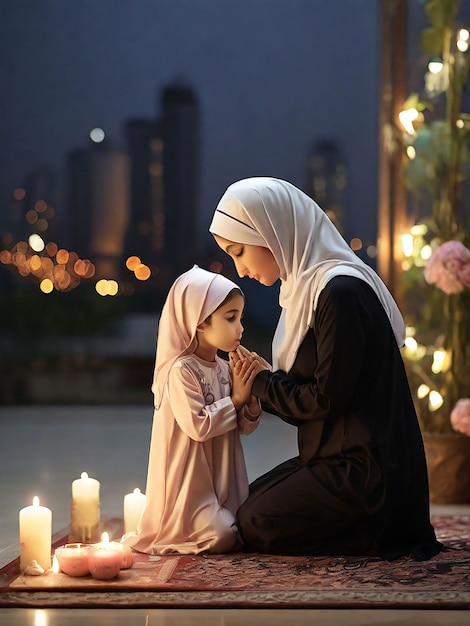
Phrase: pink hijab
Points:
(192, 298)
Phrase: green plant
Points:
(436, 263)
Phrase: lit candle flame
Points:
(104, 540)
(83, 475)
(35, 501)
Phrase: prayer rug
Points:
(246, 580)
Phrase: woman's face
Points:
(253, 261)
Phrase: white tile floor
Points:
(42, 449)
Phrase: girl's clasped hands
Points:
(242, 355)
(245, 365)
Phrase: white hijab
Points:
(192, 298)
(308, 248)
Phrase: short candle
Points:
(127, 559)
(35, 535)
(73, 559)
(104, 560)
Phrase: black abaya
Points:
(359, 484)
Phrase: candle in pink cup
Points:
(73, 559)
(104, 559)
(127, 558)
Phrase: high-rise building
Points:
(181, 141)
(327, 181)
(144, 236)
(164, 166)
(98, 205)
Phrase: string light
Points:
(435, 65)
(462, 40)
(422, 391)
(407, 117)
(435, 400)
(407, 244)
(438, 359)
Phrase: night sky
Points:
(273, 77)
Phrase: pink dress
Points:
(196, 475)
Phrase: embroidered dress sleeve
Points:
(198, 420)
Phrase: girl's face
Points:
(223, 331)
(252, 261)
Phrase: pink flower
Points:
(460, 416)
(449, 267)
(464, 275)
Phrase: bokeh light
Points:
(46, 285)
(37, 243)
(97, 135)
(132, 262)
(142, 272)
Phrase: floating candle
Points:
(35, 536)
(73, 559)
(134, 504)
(85, 509)
(104, 559)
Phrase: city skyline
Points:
(137, 200)
(277, 82)
(273, 79)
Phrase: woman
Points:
(359, 484)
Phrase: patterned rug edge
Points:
(338, 599)
(333, 597)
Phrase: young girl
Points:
(196, 474)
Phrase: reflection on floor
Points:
(233, 617)
(43, 449)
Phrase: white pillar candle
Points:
(134, 504)
(35, 535)
(85, 510)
